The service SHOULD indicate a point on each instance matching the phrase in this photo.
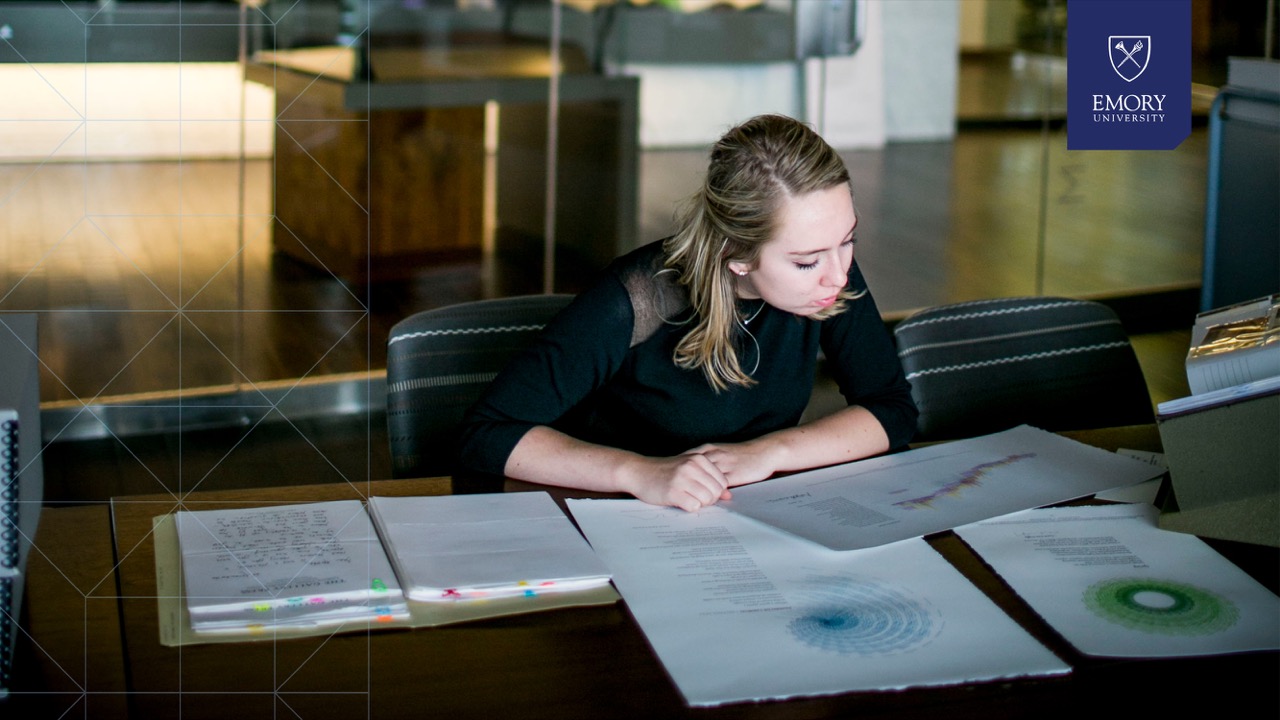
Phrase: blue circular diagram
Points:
(860, 617)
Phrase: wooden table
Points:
(584, 662)
(70, 654)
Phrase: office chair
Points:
(989, 365)
(438, 364)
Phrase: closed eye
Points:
(850, 242)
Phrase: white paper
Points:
(459, 547)
(288, 561)
(1145, 492)
(1113, 584)
(737, 610)
(910, 494)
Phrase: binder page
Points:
(910, 494)
(736, 610)
(458, 547)
(1114, 584)
(314, 556)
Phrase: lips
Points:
(827, 302)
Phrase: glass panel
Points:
(570, 148)
(1113, 223)
(120, 139)
(395, 158)
(1122, 222)
(304, 308)
(193, 231)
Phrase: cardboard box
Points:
(1223, 452)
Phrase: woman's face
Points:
(805, 266)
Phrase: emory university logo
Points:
(1129, 55)
(1108, 106)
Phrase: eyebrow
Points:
(803, 253)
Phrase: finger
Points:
(688, 503)
(702, 488)
(722, 459)
(697, 497)
(711, 471)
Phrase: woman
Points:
(685, 370)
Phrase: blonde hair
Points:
(753, 168)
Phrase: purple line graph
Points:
(969, 478)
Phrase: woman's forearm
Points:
(849, 434)
(550, 457)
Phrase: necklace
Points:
(755, 342)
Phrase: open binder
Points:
(307, 569)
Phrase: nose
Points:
(835, 273)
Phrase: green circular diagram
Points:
(1160, 606)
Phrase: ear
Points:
(739, 268)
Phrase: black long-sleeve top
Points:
(603, 372)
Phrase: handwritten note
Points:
(287, 563)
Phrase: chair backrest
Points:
(1055, 363)
(438, 364)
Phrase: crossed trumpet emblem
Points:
(1128, 54)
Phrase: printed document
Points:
(894, 497)
(737, 610)
(468, 547)
(1114, 584)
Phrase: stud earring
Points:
(740, 273)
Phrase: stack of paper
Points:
(1235, 345)
(287, 566)
(467, 547)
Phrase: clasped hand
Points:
(702, 476)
